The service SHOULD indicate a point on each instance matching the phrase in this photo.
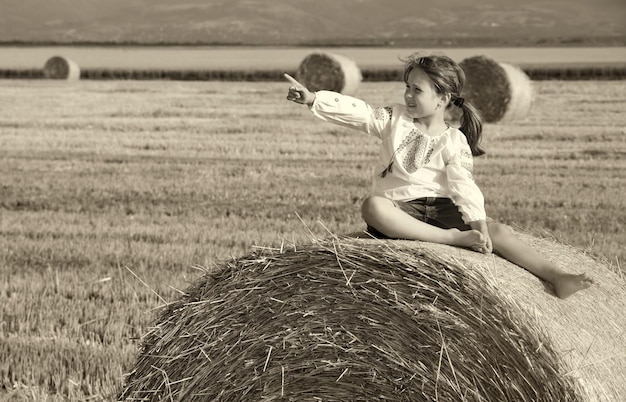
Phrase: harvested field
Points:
(113, 193)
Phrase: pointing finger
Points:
(293, 80)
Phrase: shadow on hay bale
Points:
(329, 71)
(357, 319)
(500, 91)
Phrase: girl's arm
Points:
(341, 109)
(465, 192)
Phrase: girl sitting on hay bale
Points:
(424, 188)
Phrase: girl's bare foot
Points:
(468, 238)
(566, 284)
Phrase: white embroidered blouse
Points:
(411, 164)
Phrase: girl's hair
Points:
(448, 78)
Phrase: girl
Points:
(423, 188)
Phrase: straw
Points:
(358, 319)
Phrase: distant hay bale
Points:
(500, 91)
(329, 71)
(364, 319)
(60, 68)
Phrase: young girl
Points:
(423, 188)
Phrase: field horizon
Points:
(250, 63)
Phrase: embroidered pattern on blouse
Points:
(466, 162)
(420, 148)
(413, 152)
(381, 112)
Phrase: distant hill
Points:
(327, 22)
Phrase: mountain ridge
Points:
(297, 22)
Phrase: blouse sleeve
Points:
(351, 112)
(465, 193)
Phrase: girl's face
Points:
(420, 96)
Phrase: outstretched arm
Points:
(337, 108)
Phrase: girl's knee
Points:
(373, 207)
(501, 235)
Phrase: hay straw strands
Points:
(409, 325)
(329, 71)
(60, 68)
(500, 91)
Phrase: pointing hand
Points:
(299, 93)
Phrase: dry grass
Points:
(354, 319)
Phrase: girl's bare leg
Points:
(382, 214)
(513, 249)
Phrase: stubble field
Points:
(114, 196)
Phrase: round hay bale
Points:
(60, 68)
(364, 319)
(329, 71)
(500, 91)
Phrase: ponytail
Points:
(471, 125)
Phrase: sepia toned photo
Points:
(339, 200)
